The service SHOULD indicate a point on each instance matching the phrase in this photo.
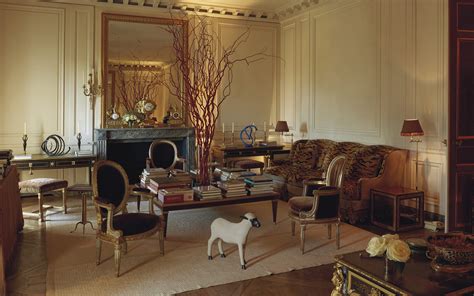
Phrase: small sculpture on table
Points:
(247, 135)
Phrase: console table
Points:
(357, 274)
(45, 162)
(223, 154)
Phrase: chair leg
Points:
(162, 242)
(98, 250)
(303, 228)
(293, 225)
(329, 231)
(337, 235)
(139, 199)
(118, 253)
(64, 200)
(40, 205)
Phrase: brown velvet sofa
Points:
(367, 166)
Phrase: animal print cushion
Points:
(364, 166)
(303, 157)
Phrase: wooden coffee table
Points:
(196, 204)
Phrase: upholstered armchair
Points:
(114, 224)
(323, 207)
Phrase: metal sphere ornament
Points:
(247, 135)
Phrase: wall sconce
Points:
(92, 89)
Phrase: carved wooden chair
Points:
(114, 224)
(323, 207)
(162, 154)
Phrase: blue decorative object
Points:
(246, 135)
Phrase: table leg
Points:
(274, 210)
(165, 222)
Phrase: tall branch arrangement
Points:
(201, 78)
(135, 83)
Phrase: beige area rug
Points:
(270, 249)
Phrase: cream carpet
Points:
(270, 249)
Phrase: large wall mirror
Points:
(137, 52)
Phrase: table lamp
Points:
(281, 127)
(412, 128)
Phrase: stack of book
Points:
(227, 174)
(173, 195)
(147, 174)
(5, 157)
(233, 188)
(167, 183)
(259, 184)
(207, 192)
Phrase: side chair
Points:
(322, 207)
(114, 224)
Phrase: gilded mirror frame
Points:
(108, 17)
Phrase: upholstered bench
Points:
(41, 186)
(248, 164)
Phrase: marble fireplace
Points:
(129, 147)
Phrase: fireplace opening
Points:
(132, 156)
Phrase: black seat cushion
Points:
(133, 223)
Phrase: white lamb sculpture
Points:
(232, 233)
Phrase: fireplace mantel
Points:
(129, 146)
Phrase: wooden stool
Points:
(41, 186)
(248, 164)
(84, 190)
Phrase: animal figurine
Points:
(232, 233)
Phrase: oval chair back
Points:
(335, 171)
(110, 185)
(163, 154)
(326, 203)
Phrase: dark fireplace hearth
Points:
(129, 147)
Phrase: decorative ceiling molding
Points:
(200, 8)
(294, 7)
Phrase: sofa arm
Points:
(392, 175)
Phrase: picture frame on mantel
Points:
(136, 46)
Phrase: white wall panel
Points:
(372, 64)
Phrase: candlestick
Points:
(79, 138)
(25, 141)
(78, 129)
(232, 126)
(24, 128)
(223, 127)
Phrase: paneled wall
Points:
(48, 49)
(352, 70)
(45, 51)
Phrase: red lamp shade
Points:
(282, 126)
(411, 127)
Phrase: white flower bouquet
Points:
(394, 248)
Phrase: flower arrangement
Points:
(389, 245)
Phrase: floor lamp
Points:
(412, 128)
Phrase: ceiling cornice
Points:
(199, 7)
(294, 7)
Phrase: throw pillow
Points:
(365, 166)
(303, 156)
